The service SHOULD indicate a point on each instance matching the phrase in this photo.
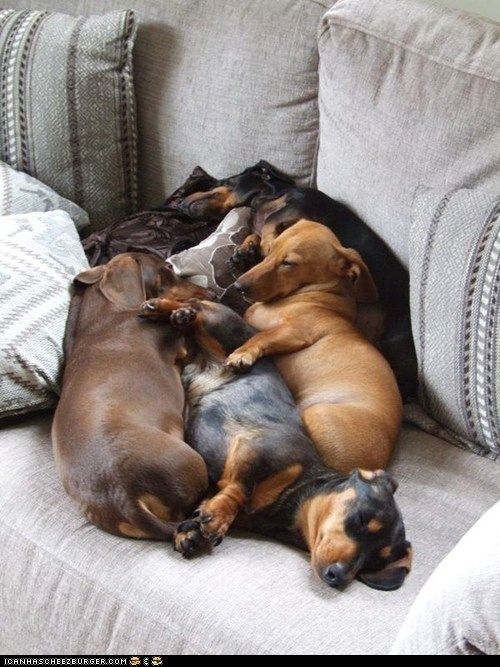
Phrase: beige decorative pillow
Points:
(41, 254)
(455, 309)
(207, 264)
(21, 193)
(67, 108)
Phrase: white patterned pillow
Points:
(21, 193)
(455, 309)
(41, 253)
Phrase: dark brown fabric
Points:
(164, 231)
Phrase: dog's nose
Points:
(335, 576)
(241, 287)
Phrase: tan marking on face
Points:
(322, 522)
(154, 505)
(374, 525)
(385, 552)
(269, 490)
(129, 530)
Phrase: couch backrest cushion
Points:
(409, 94)
(220, 83)
(455, 289)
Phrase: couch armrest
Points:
(457, 612)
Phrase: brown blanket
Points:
(164, 231)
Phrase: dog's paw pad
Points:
(183, 317)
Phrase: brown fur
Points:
(306, 311)
(118, 428)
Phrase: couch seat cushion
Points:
(69, 588)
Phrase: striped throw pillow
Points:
(41, 254)
(455, 305)
(67, 110)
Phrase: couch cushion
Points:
(457, 613)
(66, 587)
(454, 278)
(67, 110)
(41, 254)
(21, 193)
(409, 94)
(220, 83)
(208, 263)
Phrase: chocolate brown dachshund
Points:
(118, 432)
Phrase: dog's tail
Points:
(143, 518)
(149, 519)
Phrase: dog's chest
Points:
(263, 317)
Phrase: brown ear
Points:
(155, 276)
(90, 276)
(354, 268)
(123, 284)
(392, 576)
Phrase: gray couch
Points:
(223, 83)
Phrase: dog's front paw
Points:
(183, 317)
(245, 256)
(150, 309)
(240, 361)
(214, 528)
(188, 538)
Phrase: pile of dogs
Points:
(179, 419)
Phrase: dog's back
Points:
(118, 428)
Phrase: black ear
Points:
(390, 482)
(391, 577)
(386, 580)
(263, 165)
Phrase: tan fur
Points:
(270, 489)
(306, 315)
(322, 523)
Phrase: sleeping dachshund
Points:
(263, 469)
(118, 428)
(278, 204)
(307, 291)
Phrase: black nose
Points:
(242, 289)
(335, 576)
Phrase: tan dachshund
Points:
(118, 432)
(307, 288)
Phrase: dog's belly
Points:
(327, 372)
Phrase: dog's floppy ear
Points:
(123, 283)
(90, 276)
(392, 576)
(263, 165)
(354, 268)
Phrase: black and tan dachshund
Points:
(263, 469)
(278, 204)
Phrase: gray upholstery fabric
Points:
(457, 611)
(69, 588)
(21, 193)
(454, 278)
(67, 110)
(41, 254)
(220, 83)
(409, 95)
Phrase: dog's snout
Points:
(242, 288)
(335, 576)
